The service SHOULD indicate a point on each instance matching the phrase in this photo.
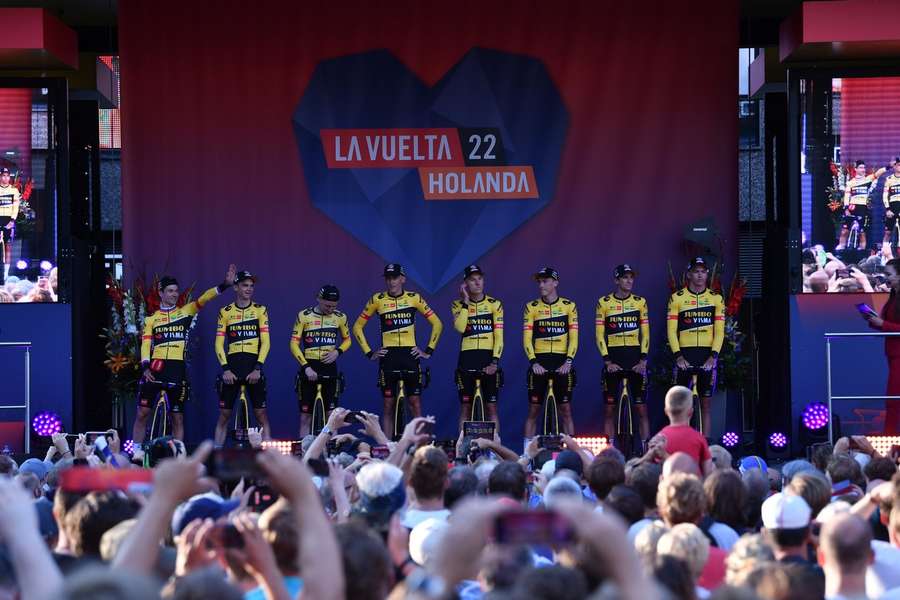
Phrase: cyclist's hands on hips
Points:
(682, 364)
(537, 369)
(612, 367)
(565, 368)
(148, 375)
(379, 353)
(419, 353)
(228, 377)
(490, 369)
(254, 376)
(710, 364)
(330, 357)
(641, 367)
(310, 374)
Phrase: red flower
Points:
(834, 169)
(736, 296)
(29, 186)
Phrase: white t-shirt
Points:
(636, 528)
(884, 573)
(724, 535)
(414, 516)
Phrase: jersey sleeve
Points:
(718, 325)
(146, 339)
(600, 328)
(528, 334)
(884, 195)
(361, 320)
(200, 302)
(672, 326)
(221, 325)
(296, 337)
(498, 331)
(645, 330)
(346, 340)
(460, 314)
(264, 343)
(16, 202)
(847, 196)
(573, 332)
(436, 326)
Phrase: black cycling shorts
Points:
(399, 364)
(171, 378)
(890, 222)
(490, 385)
(5, 233)
(627, 358)
(706, 380)
(228, 394)
(563, 385)
(861, 214)
(332, 384)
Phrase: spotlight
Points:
(283, 446)
(128, 447)
(815, 416)
(21, 264)
(778, 440)
(595, 443)
(46, 265)
(730, 439)
(46, 423)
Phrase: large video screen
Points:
(850, 182)
(28, 183)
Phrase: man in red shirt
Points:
(679, 435)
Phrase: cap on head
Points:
(472, 270)
(330, 293)
(622, 270)
(394, 270)
(785, 511)
(697, 261)
(752, 462)
(4, 171)
(547, 273)
(242, 275)
(860, 163)
(165, 281)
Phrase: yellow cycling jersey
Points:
(9, 201)
(622, 322)
(165, 331)
(480, 323)
(858, 189)
(891, 190)
(398, 321)
(244, 331)
(315, 335)
(550, 328)
(696, 320)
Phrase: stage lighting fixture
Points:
(595, 443)
(46, 423)
(730, 439)
(128, 447)
(46, 265)
(778, 440)
(283, 446)
(815, 416)
(21, 264)
(884, 443)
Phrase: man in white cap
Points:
(785, 521)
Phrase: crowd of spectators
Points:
(682, 521)
(16, 289)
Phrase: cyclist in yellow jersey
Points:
(856, 204)
(695, 328)
(242, 345)
(623, 337)
(9, 211)
(162, 353)
(320, 336)
(891, 199)
(551, 340)
(398, 355)
(479, 318)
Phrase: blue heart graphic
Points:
(385, 208)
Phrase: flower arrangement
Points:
(25, 219)
(834, 194)
(129, 308)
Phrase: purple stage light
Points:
(128, 446)
(815, 416)
(730, 439)
(21, 264)
(778, 440)
(46, 423)
(46, 265)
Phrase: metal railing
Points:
(27, 405)
(828, 338)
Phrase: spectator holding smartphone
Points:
(889, 322)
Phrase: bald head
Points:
(846, 544)
(679, 401)
(679, 462)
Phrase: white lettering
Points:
(452, 183)
(493, 183)
(523, 183)
(444, 149)
(403, 152)
(372, 143)
(435, 183)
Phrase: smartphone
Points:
(331, 447)
(842, 273)
(87, 479)
(426, 427)
(226, 535)
(354, 416)
(91, 436)
(866, 310)
(233, 464)
(297, 449)
(533, 527)
(262, 498)
(553, 443)
(380, 452)
(319, 466)
(479, 429)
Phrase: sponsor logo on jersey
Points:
(478, 325)
(398, 319)
(624, 321)
(552, 327)
(696, 318)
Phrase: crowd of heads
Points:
(423, 522)
(16, 289)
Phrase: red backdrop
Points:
(211, 172)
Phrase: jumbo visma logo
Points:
(431, 177)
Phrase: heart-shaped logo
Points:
(431, 178)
